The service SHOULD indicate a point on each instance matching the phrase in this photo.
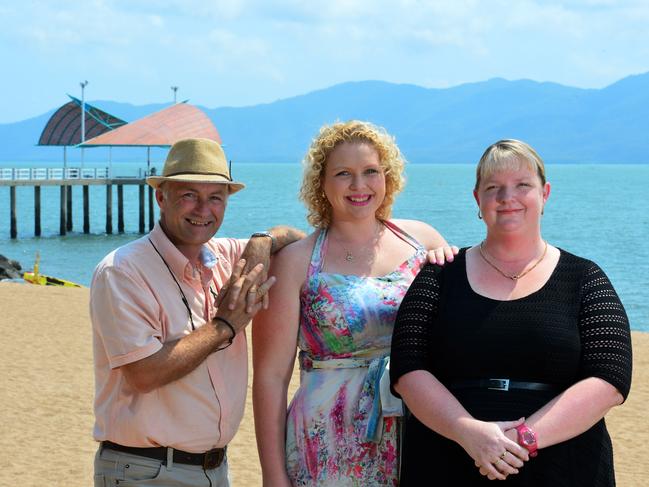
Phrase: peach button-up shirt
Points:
(135, 307)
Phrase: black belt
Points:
(502, 385)
(208, 460)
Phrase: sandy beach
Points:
(47, 391)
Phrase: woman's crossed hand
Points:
(493, 453)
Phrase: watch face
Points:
(528, 438)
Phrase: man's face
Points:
(191, 213)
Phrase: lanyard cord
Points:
(184, 298)
(186, 303)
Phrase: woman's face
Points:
(512, 199)
(354, 182)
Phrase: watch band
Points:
(527, 439)
(273, 240)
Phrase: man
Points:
(168, 314)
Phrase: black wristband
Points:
(229, 325)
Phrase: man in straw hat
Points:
(168, 314)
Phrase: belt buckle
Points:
(498, 384)
(213, 458)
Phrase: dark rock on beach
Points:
(10, 269)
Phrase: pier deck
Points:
(65, 178)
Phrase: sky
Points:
(246, 52)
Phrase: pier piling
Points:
(151, 208)
(37, 211)
(109, 209)
(69, 207)
(120, 208)
(86, 210)
(141, 193)
(12, 205)
(63, 223)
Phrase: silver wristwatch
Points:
(273, 240)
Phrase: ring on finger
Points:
(502, 457)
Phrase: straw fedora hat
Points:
(196, 161)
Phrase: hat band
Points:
(194, 172)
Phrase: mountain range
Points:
(452, 125)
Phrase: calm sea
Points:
(596, 211)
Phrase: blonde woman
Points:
(336, 297)
(510, 357)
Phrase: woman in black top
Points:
(517, 346)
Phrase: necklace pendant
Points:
(349, 257)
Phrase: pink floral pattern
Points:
(344, 317)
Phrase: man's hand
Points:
(244, 294)
(258, 251)
(260, 247)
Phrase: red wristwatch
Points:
(527, 439)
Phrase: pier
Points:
(65, 179)
(81, 125)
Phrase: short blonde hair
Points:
(315, 162)
(508, 154)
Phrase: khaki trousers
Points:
(118, 469)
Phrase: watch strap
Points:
(273, 240)
(532, 447)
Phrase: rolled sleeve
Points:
(230, 248)
(125, 315)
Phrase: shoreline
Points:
(48, 392)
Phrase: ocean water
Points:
(596, 211)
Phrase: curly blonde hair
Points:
(315, 162)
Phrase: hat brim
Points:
(156, 181)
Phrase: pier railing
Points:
(52, 173)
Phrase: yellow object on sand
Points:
(37, 278)
(47, 280)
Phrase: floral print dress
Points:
(338, 432)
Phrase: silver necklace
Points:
(349, 255)
(513, 277)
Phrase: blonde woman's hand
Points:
(442, 255)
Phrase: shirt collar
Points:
(178, 263)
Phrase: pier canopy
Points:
(64, 127)
(160, 129)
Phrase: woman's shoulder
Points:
(420, 231)
(290, 265)
(300, 250)
(411, 225)
(575, 262)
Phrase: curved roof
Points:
(64, 127)
(160, 129)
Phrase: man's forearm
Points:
(284, 235)
(176, 359)
(260, 246)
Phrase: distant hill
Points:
(565, 124)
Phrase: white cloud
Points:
(248, 51)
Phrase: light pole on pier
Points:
(83, 85)
(174, 89)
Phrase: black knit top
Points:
(574, 327)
